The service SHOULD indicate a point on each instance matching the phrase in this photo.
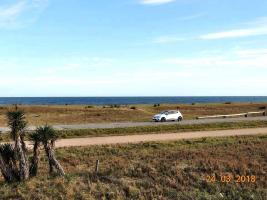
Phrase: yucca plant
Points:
(8, 152)
(34, 137)
(47, 136)
(8, 165)
(14, 164)
(17, 123)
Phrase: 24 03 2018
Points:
(226, 178)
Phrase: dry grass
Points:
(140, 130)
(173, 170)
(79, 114)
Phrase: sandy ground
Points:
(155, 137)
(136, 124)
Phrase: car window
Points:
(164, 112)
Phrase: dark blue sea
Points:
(126, 100)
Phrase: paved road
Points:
(136, 124)
(154, 137)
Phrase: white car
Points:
(170, 115)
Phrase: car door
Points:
(171, 115)
(168, 115)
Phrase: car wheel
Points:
(163, 119)
(179, 119)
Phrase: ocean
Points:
(127, 100)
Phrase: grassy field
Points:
(175, 128)
(169, 170)
(79, 114)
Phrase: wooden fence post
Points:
(96, 165)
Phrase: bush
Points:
(132, 192)
(114, 106)
(262, 108)
(90, 106)
(133, 107)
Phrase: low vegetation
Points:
(166, 170)
(175, 128)
(80, 114)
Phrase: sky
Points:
(133, 48)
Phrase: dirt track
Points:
(156, 137)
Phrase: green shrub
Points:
(89, 106)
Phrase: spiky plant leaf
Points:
(35, 137)
(45, 134)
(16, 122)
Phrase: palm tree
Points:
(17, 123)
(47, 135)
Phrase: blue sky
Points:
(133, 47)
